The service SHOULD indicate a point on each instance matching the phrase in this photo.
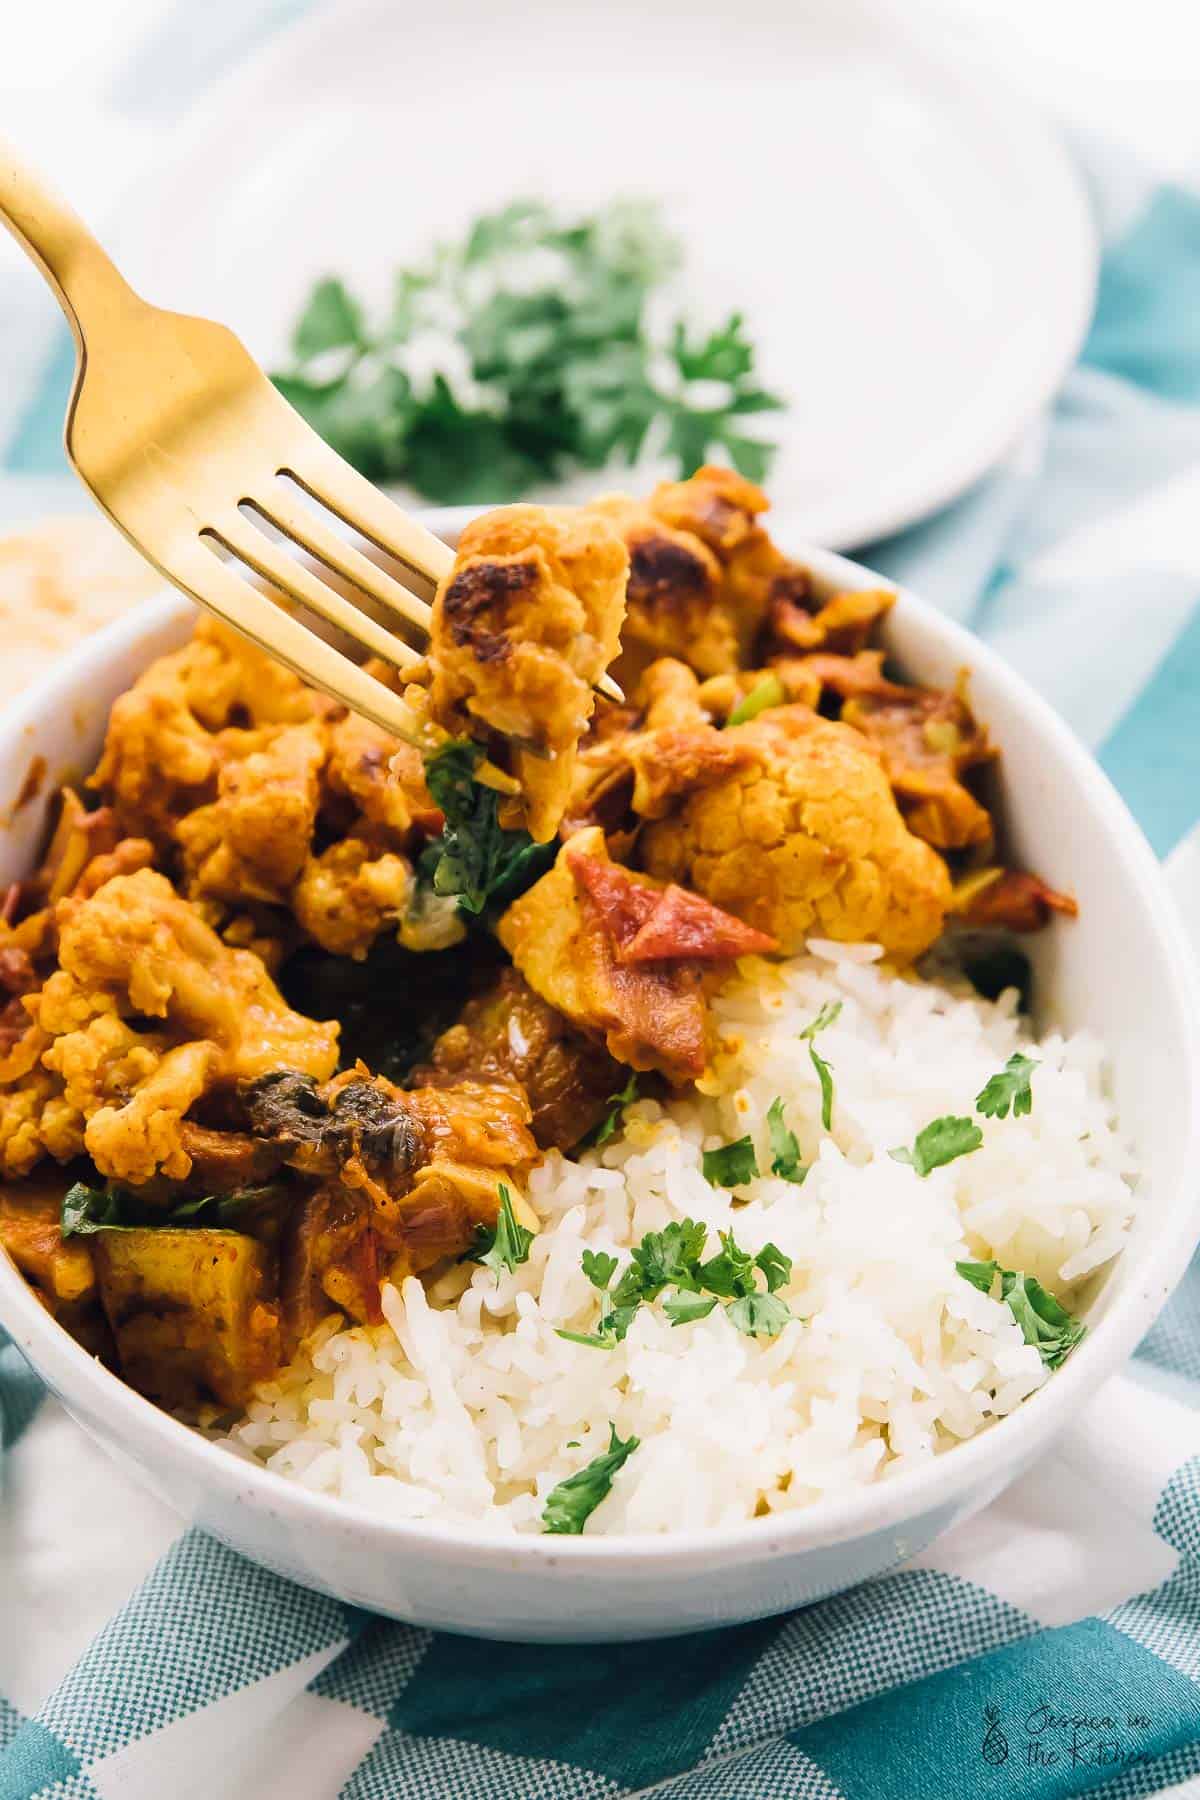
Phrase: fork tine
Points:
(333, 483)
(298, 583)
(300, 525)
(216, 587)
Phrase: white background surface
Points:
(1129, 71)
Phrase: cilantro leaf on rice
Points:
(940, 1143)
(570, 1505)
(786, 1160)
(1011, 1088)
(1045, 1322)
(730, 1165)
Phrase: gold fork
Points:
(182, 440)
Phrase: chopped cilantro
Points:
(551, 358)
(599, 1267)
(1010, 1088)
(775, 1266)
(941, 1142)
(608, 1124)
(759, 1315)
(730, 1165)
(475, 860)
(768, 692)
(620, 1306)
(1044, 1321)
(827, 1015)
(569, 1505)
(786, 1160)
(504, 1245)
(684, 1308)
(731, 1276)
(730, 1272)
(669, 1257)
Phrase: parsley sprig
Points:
(571, 1504)
(620, 1307)
(545, 358)
(504, 1245)
(941, 1142)
(616, 1104)
(786, 1160)
(1010, 1088)
(826, 1017)
(730, 1165)
(945, 1139)
(1044, 1321)
(673, 1258)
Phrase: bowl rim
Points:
(154, 1438)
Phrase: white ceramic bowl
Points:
(1123, 969)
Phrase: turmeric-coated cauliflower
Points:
(525, 624)
(806, 840)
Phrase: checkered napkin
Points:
(1049, 1647)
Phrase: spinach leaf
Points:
(476, 860)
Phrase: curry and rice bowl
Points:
(620, 1116)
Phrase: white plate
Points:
(913, 252)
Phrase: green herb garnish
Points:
(619, 1309)
(730, 1165)
(731, 1276)
(1044, 1321)
(1010, 1088)
(683, 1308)
(86, 1210)
(570, 1505)
(475, 859)
(550, 361)
(941, 1142)
(827, 1015)
(505, 1245)
(768, 692)
(786, 1160)
(608, 1124)
(672, 1258)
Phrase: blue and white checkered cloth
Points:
(1049, 1647)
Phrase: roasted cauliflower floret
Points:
(806, 840)
(674, 600)
(252, 841)
(670, 748)
(523, 627)
(137, 942)
(374, 776)
(147, 1011)
(160, 755)
(703, 572)
(346, 896)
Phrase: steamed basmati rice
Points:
(467, 1407)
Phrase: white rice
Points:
(467, 1407)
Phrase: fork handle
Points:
(81, 275)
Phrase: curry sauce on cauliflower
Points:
(291, 1008)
